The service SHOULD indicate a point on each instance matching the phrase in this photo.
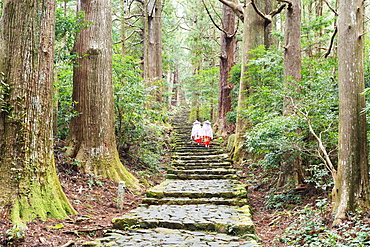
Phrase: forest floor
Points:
(94, 200)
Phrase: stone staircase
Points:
(201, 202)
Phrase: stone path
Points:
(201, 203)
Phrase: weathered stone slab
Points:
(201, 177)
(224, 188)
(204, 217)
(188, 200)
(166, 237)
(205, 152)
(204, 162)
(202, 157)
(212, 171)
(195, 166)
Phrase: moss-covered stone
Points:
(124, 223)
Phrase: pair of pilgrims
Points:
(202, 135)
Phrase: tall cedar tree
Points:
(92, 138)
(28, 181)
(291, 170)
(351, 190)
(253, 36)
(227, 61)
(153, 46)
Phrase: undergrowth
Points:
(312, 226)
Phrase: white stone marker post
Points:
(121, 194)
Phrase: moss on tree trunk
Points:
(92, 138)
(28, 182)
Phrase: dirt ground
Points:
(94, 200)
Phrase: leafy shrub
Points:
(282, 200)
(15, 235)
(311, 227)
(67, 27)
(140, 129)
(282, 137)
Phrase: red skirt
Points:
(198, 140)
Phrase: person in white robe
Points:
(207, 133)
(196, 132)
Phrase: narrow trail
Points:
(201, 203)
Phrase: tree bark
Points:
(92, 138)
(227, 61)
(253, 36)
(153, 51)
(28, 181)
(351, 189)
(291, 170)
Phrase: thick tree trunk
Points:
(153, 51)
(92, 138)
(253, 36)
(269, 39)
(291, 170)
(227, 61)
(351, 189)
(123, 28)
(292, 47)
(28, 181)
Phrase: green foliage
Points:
(279, 137)
(141, 134)
(15, 235)
(234, 78)
(367, 76)
(282, 200)
(93, 180)
(66, 29)
(275, 137)
(310, 228)
(4, 92)
(202, 89)
(319, 176)
(67, 26)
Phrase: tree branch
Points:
(131, 34)
(277, 10)
(322, 149)
(331, 42)
(214, 23)
(287, 2)
(268, 18)
(331, 8)
(236, 7)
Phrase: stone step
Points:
(201, 162)
(183, 131)
(214, 171)
(201, 177)
(218, 157)
(195, 166)
(187, 201)
(185, 141)
(224, 188)
(200, 167)
(195, 147)
(169, 237)
(233, 220)
(204, 152)
(201, 200)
